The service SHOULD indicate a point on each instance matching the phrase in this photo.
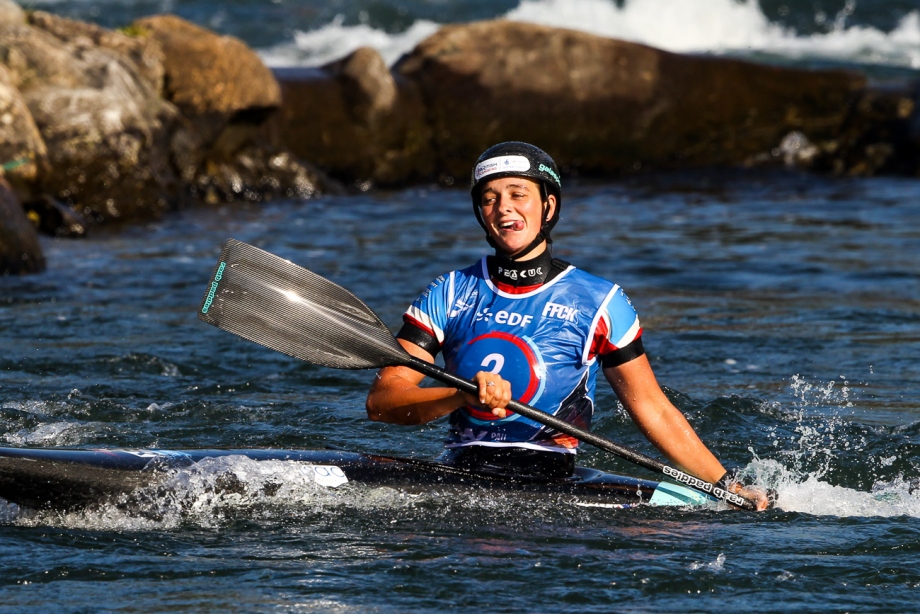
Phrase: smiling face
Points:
(512, 210)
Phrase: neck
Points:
(530, 272)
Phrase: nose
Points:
(503, 204)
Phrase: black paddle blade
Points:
(275, 303)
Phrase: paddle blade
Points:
(285, 307)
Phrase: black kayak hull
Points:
(67, 479)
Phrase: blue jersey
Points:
(545, 342)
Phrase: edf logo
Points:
(504, 317)
(561, 312)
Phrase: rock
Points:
(210, 74)
(54, 218)
(257, 172)
(877, 137)
(22, 150)
(604, 105)
(144, 54)
(106, 130)
(11, 13)
(20, 251)
(357, 120)
(225, 94)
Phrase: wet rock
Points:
(207, 73)
(54, 218)
(11, 13)
(604, 105)
(878, 136)
(225, 93)
(106, 130)
(357, 120)
(22, 150)
(257, 172)
(144, 54)
(20, 251)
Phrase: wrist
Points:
(729, 478)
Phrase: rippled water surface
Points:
(782, 313)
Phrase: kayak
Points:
(66, 479)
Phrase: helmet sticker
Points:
(502, 164)
(551, 173)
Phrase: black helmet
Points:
(517, 159)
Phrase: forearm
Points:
(662, 423)
(670, 432)
(401, 401)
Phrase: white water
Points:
(215, 491)
(686, 26)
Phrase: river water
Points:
(781, 313)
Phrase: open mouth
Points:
(511, 225)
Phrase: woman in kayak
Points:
(522, 324)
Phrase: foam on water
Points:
(334, 41)
(809, 494)
(216, 491)
(815, 445)
(209, 493)
(686, 26)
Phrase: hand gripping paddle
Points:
(285, 307)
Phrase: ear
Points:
(550, 207)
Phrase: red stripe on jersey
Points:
(509, 289)
(601, 345)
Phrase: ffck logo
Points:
(560, 312)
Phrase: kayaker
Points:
(523, 324)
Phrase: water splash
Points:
(683, 26)
(717, 565)
(809, 494)
(729, 26)
(335, 41)
(830, 465)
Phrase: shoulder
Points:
(474, 271)
(574, 275)
(612, 296)
(450, 283)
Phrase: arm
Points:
(666, 427)
(662, 423)
(396, 397)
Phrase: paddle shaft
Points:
(562, 426)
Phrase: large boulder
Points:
(207, 73)
(105, 128)
(11, 13)
(22, 150)
(606, 105)
(357, 120)
(20, 251)
(144, 55)
(221, 147)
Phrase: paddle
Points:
(285, 307)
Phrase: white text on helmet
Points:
(502, 164)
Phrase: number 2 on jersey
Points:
(497, 361)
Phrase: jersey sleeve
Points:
(617, 335)
(425, 320)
